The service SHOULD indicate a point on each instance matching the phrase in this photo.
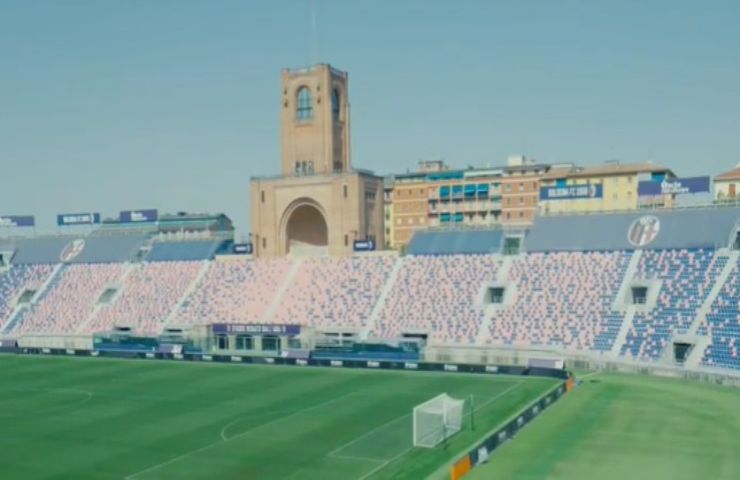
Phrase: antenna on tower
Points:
(314, 36)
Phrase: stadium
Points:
(213, 362)
(524, 321)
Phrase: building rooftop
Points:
(733, 174)
(614, 168)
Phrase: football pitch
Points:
(138, 420)
(618, 427)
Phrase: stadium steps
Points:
(502, 275)
(269, 314)
(380, 303)
(701, 315)
(619, 305)
(205, 265)
(82, 328)
(16, 318)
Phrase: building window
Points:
(264, 242)
(346, 240)
(521, 214)
(508, 187)
(304, 108)
(344, 190)
(508, 215)
(521, 200)
(262, 195)
(335, 110)
(521, 186)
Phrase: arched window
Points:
(304, 108)
(335, 103)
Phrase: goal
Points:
(436, 420)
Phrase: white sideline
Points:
(239, 435)
(384, 463)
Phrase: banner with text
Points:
(17, 221)
(572, 192)
(243, 248)
(139, 216)
(256, 329)
(364, 245)
(65, 219)
(674, 186)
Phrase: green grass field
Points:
(79, 418)
(618, 427)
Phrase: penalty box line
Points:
(383, 462)
(239, 435)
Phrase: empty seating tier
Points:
(723, 325)
(71, 298)
(561, 299)
(334, 292)
(686, 278)
(16, 280)
(438, 295)
(149, 293)
(233, 292)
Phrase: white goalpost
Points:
(436, 420)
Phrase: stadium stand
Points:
(438, 295)
(70, 299)
(334, 292)
(562, 292)
(183, 251)
(14, 281)
(686, 276)
(148, 295)
(723, 325)
(456, 242)
(563, 299)
(690, 228)
(88, 249)
(233, 292)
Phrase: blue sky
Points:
(173, 104)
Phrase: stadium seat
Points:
(233, 292)
(723, 325)
(437, 295)
(687, 277)
(334, 291)
(563, 299)
(69, 299)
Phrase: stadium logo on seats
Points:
(643, 231)
(71, 250)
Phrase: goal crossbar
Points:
(436, 420)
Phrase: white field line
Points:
(244, 417)
(588, 375)
(384, 463)
(59, 408)
(239, 435)
(334, 452)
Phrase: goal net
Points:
(437, 419)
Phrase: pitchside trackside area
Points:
(628, 427)
(139, 420)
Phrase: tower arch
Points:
(304, 227)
